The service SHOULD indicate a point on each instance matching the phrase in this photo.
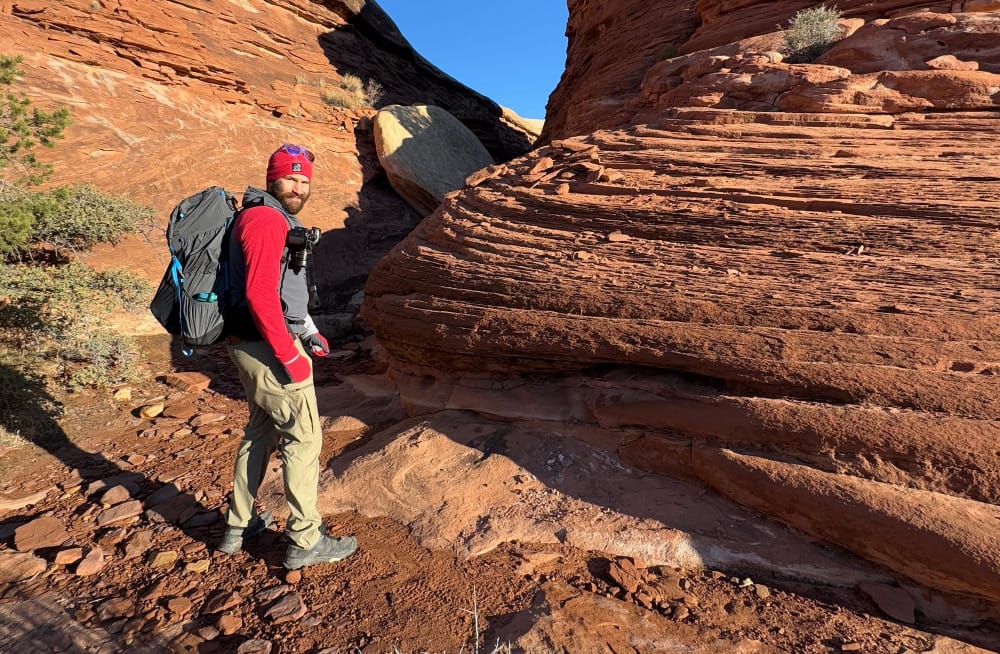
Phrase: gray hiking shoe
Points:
(233, 539)
(327, 550)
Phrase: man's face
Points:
(291, 191)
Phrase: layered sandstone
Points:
(893, 57)
(779, 280)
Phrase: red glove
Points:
(298, 368)
(317, 345)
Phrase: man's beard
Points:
(292, 203)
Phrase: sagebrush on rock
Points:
(810, 33)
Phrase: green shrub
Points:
(80, 216)
(60, 313)
(74, 217)
(22, 128)
(810, 33)
(93, 356)
(17, 219)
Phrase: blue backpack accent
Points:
(190, 301)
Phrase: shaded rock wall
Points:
(170, 97)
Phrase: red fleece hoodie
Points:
(262, 232)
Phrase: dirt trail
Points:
(156, 584)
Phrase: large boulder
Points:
(426, 153)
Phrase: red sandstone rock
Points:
(39, 533)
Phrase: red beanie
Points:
(282, 163)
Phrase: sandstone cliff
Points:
(170, 97)
(780, 280)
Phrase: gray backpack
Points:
(190, 300)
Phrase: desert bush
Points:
(351, 92)
(80, 216)
(373, 92)
(59, 314)
(73, 217)
(23, 127)
(810, 33)
(17, 219)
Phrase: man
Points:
(268, 319)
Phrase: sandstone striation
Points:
(892, 58)
(799, 310)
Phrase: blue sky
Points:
(513, 52)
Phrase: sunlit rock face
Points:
(170, 97)
(780, 280)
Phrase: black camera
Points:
(300, 242)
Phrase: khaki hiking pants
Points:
(282, 417)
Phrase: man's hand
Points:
(317, 345)
(298, 368)
(313, 340)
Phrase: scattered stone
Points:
(191, 382)
(116, 607)
(138, 544)
(46, 531)
(116, 495)
(746, 583)
(254, 646)
(151, 411)
(68, 556)
(894, 602)
(221, 601)
(199, 567)
(179, 605)
(625, 574)
(229, 624)
(162, 559)
(850, 647)
(162, 494)
(207, 419)
(681, 613)
(209, 632)
(154, 592)
(122, 395)
(201, 519)
(618, 237)
(121, 512)
(17, 566)
(213, 429)
(19, 503)
(194, 547)
(272, 593)
(173, 510)
(180, 411)
(289, 608)
(761, 591)
(293, 577)
(135, 459)
(187, 644)
(91, 564)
